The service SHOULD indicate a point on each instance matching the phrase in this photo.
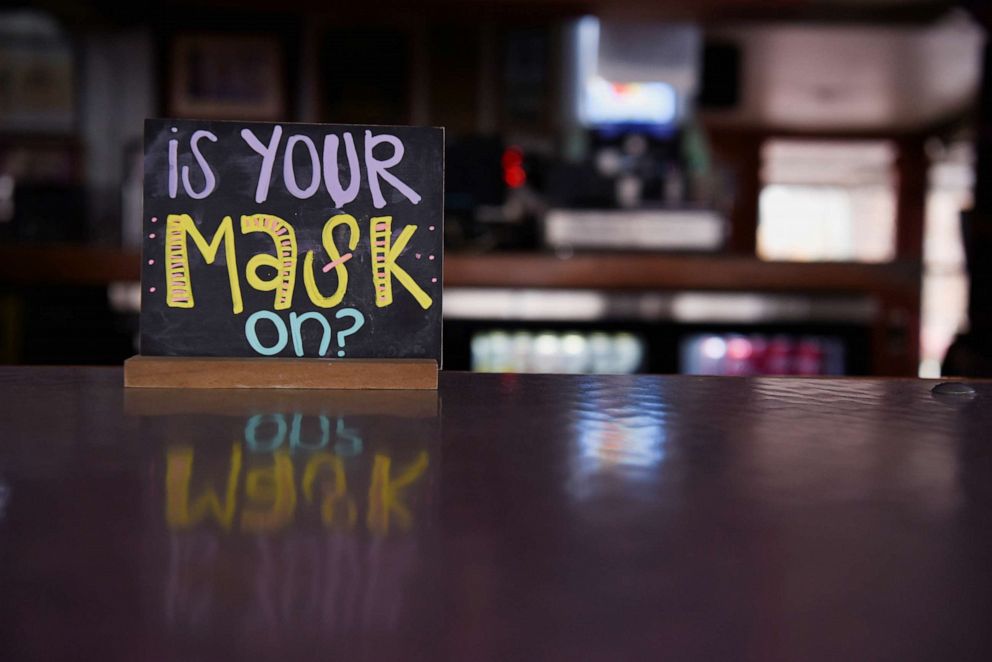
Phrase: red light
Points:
(515, 177)
(512, 157)
(513, 167)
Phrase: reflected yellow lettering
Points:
(384, 492)
(179, 512)
(334, 487)
(270, 495)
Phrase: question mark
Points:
(359, 323)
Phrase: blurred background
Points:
(708, 187)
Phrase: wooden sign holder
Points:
(218, 373)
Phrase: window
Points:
(945, 278)
(827, 201)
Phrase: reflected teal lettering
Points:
(296, 442)
(349, 444)
(259, 439)
(251, 433)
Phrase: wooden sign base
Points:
(210, 372)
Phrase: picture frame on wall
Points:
(37, 86)
(227, 76)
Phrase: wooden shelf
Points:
(895, 286)
(88, 265)
(613, 271)
(66, 264)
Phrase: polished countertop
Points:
(501, 517)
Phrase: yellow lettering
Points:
(178, 285)
(384, 265)
(327, 237)
(284, 261)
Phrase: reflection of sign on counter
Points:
(289, 590)
(297, 241)
(262, 492)
(313, 523)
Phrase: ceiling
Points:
(809, 76)
(887, 11)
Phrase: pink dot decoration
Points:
(431, 228)
(430, 257)
(151, 261)
(154, 219)
(151, 236)
(151, 289)
(433, 280)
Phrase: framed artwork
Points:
(37, 87)
(226, 76)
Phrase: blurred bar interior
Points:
(712, 187)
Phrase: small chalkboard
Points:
(292, 240)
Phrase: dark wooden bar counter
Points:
(502, 517)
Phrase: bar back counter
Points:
(500, 517)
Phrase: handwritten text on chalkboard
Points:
(237, 214)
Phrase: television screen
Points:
(632, 75)
(606, 103)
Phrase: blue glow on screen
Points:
(611, 104)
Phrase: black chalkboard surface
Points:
(292, 240)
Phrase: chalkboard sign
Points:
(292, 240)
